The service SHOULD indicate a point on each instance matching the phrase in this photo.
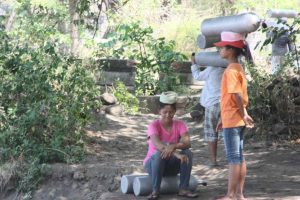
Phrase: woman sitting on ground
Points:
(165, 136)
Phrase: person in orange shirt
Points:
(234, 116)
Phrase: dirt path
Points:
(117, 146)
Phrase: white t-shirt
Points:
(212, 89)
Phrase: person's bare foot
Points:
(241, 197)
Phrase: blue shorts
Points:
(234, 144)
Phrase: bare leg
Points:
(240, 187)
(212, 147)
(233, 179)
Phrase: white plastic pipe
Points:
(127, 182)
(276, 13)
(210, 59)
(142, 185)
(207, 41)
(242, 23)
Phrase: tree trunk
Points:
(74, 29)
(10, 21)
(227, 7)
(166, 7)
(231, 6)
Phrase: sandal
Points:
(188, 194)
(153, 196)
(211, 164)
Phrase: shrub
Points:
(153, 56)
(129, 102)
(273, 97)
(46, 101)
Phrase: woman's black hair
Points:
(162, 105)
(244, 51)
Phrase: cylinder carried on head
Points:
(242, 23)
(210, 59)
(276, 13)
(207, 41)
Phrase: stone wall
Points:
(112, 70)
(185, 104)
(125, 71)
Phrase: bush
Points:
(273, 98)
(153, 56)
(46, 101)
(129, 102)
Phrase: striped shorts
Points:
(211, 119)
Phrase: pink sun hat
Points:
(231, 39)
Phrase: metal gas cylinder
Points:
(242, 23)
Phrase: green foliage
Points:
(37, 21)
(293, 32)
(32, 178)
(46, 101)
(259, 97)
(129, 102)
(153, 56)
(184, 29)
(272, 97)
(261, 7)
(179, 21)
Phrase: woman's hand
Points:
(219, 126)
(168, 151)
(248, 121)
(193, 60)
(175, 65)
(181, 157)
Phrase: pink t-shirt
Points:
(173, 136)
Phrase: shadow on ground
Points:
(117, 146)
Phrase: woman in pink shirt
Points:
(165, 136)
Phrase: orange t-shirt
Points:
(233, 81)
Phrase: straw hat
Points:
(231, 39)
(169, 97)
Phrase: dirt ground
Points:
(117, 146)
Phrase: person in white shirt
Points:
(210, 100)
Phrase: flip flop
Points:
(153, 197)
(211, 164)
(188, 194)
